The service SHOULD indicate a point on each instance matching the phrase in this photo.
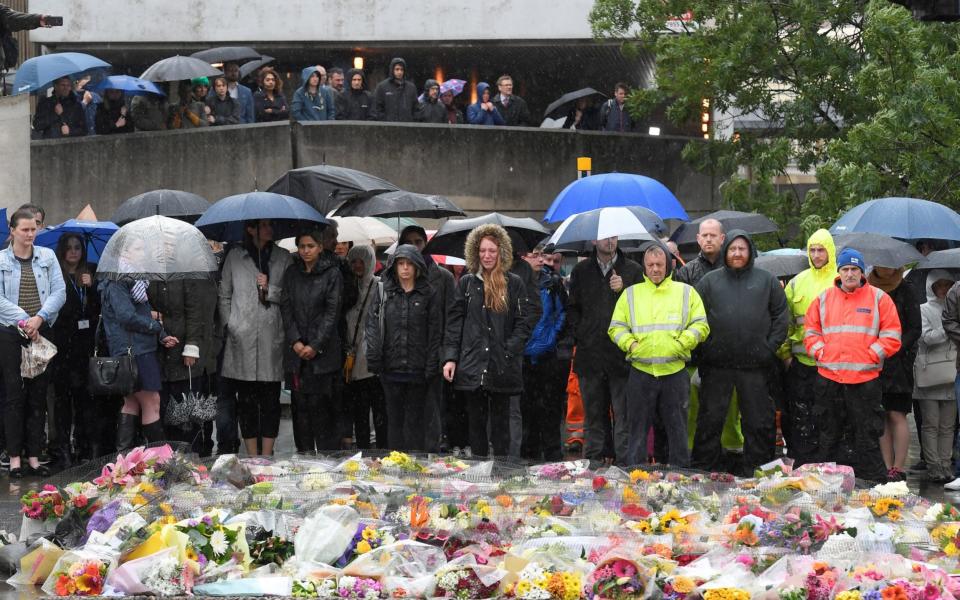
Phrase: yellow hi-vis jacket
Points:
(802, 290)
(667, 321)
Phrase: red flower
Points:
(635, 510)
(599, 482)
(80, 501)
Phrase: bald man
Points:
(710, 238)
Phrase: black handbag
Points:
(111, 375)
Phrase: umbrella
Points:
(4, 226)
(398, 224)
(224, 220)
(131, 86)
(903, 218)
(615, 189)
(38, 73)
(598, 224)
(651, 222)
(95, 235)
(325, 187)
(879, 250)
(400, 204)
(253, 65)
(783, 264)
(452, 85)
(525, 233)
(178, 68)
(359, 230)
(169, 203)
(157, 248)
(731, 219)
(561, 106)
(225, 54)
(942, 259)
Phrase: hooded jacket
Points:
(408, 346)
(933, 337)
(107, 115)
(431, 110)
(307, 107)
(356, 339)
(897, 374)
(46, 123)
(478, 116)
(666, 320)
(747, 312)
(692, 272)
(802, 290)
(310, 307)
(225, 112)
(487, 346)
(354, 105)
(590, 308)
(395, 101)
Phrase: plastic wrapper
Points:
(31, 528)
(251, 586)
(161, 573)
(230, 469)
(37, 563)
(405, 559)
(325, 534)
(80, 572)
(10, 556)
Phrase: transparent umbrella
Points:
(157, 248)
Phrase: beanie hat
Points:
(200, 81)
(851, 258)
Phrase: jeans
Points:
(516, 426)
(603, 392)
(405, 414)
(668, 397)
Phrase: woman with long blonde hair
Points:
(487, 329)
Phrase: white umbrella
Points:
(359, 230)
(598, 224)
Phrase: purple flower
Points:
(103, 518)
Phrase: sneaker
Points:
(953, 486)
(467, 452)
(4, 459)
(920, 466)
(44, 459)
(456, 452)
(895, 474)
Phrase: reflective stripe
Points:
(876, 310)
(696, 333)
(799, 349)
(850, 329)
(815, 347)
(890, 333)
(655, 360)
(656, 327)
(685, 314)
(801, 320)
(848, 366)
(822, 300)
(632, 314)
(812, 333)
(619, 324)
(698, 320)
(876, 347)
(619, 336)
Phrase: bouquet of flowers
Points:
(447, 466)
(267, 548)
(79, 573)
(402, 461)
(560, 471)
(671, 521)
(536, 582)
(129, 468)
(45, 505)
(617, 579)
(358, 588)
(947, 537)
(463, 583)
(798, 530)
(886, 508)
(210, 541)
(367, 537)
(311, 587)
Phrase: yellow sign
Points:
(584, 163)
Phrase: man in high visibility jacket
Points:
(657, 323)
(850, 329)
(798, 424)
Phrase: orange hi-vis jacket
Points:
(850, 334)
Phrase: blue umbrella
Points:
(615, 189)
(131, 86)
(4, 225)
(903, 218)
(96, 234)
(224, 220)
(38, 73)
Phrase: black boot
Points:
(127, 431)
(154, 432)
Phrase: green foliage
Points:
(855, 89)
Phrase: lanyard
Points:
(81, 292)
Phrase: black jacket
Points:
(515, 112)
(432, 111)
(46, 123)
(614, 117)
(310, 309)
(488, 346)
(747, 312)
(692, 272)
(443, 284)
(225, 112)
(354, 105)
(107, 116)
(394, 101)
(897, 374)
(11, 21)
(279, 106)
(188, 307)
(590, 308)
(75, 345)
(410, 341)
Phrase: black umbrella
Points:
(731, 219)
(561, 106)
(400, 204)
(169, 203)
(326, 187)
(783, 265)
(225, 54)
(942, 259)
(449, 240)
(880, 250)
(178, 68)
(253, 65)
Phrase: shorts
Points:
(901, 403)
(149, 378)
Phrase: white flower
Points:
(894, 489)
(327, 588)
(933, 512)
(218, 542)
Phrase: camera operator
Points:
(11, 21)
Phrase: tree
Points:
(819, 72)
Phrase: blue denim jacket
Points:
(50, 284)
(128, 325)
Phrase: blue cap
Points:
(851, 258)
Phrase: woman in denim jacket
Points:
(33, 291)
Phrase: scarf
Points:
(887, 284)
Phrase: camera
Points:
(53, 21)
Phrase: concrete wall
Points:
(511, 170)
(302, 20)
(106, 170)
(14, 151)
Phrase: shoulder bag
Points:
(111, 375)
(351, 357)
(936, 365)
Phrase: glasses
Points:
(535, 255)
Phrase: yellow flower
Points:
(166, 508)
(191, 553)
(849, 595)
(148, 488)
(639, 475)
(370, 533)
(951, 549)
(523, 587)
(363, 547)
(683, 585)
(630, 496)
(139, 500)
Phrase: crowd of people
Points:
(73, 109)
(477, 360)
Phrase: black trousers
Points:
(457, 420)
(667, 397)
(544, 407)
(316, 421)
(26, 401)
(258, 408)
(484, 406)
(757, 416)
(602, 392)
(75, 414)
(359, 398)
(799, 424)
(406, 421)
(433, 413)
(850, 419)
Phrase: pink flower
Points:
(624, 568)
(49, 488)
(931, 592)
